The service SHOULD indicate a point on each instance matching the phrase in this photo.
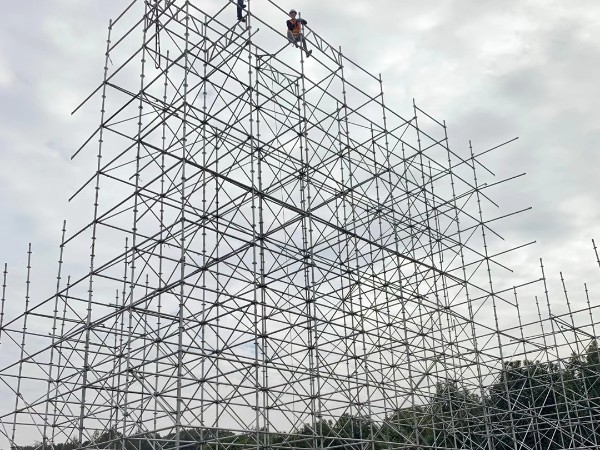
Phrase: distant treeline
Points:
(535, 405)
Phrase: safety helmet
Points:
(293, 11)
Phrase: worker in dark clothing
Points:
(240, 7)
(294, 32)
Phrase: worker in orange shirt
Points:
(294, 32)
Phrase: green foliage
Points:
(545, 405)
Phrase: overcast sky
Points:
(492, 69)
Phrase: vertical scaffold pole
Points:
(179, 410)
(3, 299)
(54, 337)
(24, 334)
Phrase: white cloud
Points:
(6, 75)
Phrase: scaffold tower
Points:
(277, 259)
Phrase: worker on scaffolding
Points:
(294, 32)
(240, 8)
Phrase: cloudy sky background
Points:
(493, 70)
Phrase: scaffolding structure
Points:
(279, 260)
